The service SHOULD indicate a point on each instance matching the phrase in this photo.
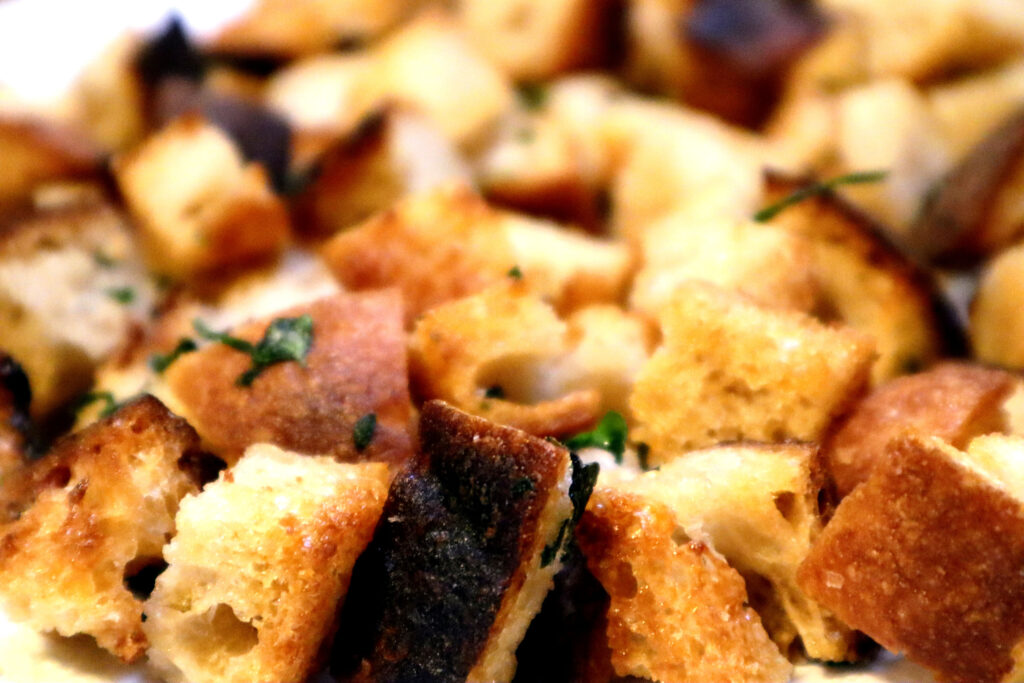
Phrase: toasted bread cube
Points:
(321, 92)
(467, 548)
(729, 369)
(579, 104)
(997, 323)
(758, 505)
(532, 40)
(488, 354)
(868, 283)
(34, 150)
(355, 367)
(952, 401)
(200, 208)
(678, 611)
(260, 563)
(290, 28)
(72, 290)
(448, 243)
(768, 264)
(430, 65)
(104, 505)
(976, 208)
(393, 153)
(925, 557)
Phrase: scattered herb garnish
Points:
(285, 339)
(111, 403)
(642, 451)
(122, 295)
(584, 477)
(362, 433)
(532, 95)
(161, 361)
(610, 434)
(102, 260)
(771, 211)
(522, 487)
(494, 391)
(515, 273)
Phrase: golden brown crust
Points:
(925, 558)
(100, 502)
(678, 612)
(356, 366)
(953, 401)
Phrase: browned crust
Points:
(34, 150)
(356, 366)
(953, 226)
(449, 551)
(925, 558)
(15, 423)
(953, 401)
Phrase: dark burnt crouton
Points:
(469, 543)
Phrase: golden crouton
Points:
(533, 40)
(468, 545)
(200, 208)
(288, 28)
(260, 562)
(869, 284)
(487, 354)
(34, 150)
(997, 312)
(729, 369)
(925, 557)
(322, 92)
(759, 506)
(391, 154)
(770, 265)
(678, 611)
(354, 370)
(448, 243)
(952, 401)
(975, 210)
(72, 291)
(104, 506)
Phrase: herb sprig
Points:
(771, 211)
(610, 434)
(161, 361)
(286, 339)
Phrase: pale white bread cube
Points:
(260, 562)
(322, 92)
(997, 312)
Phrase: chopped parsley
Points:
(102, 260)
(362, 433)
(286, 339)
(584, 477)
(522, 487)
(110, 403)
(494, 391)
(515, 273)
(533, 96)
(824, 187)
(161, 361)
(610, 434)
(122, 295)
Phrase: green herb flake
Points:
(103, 260)
(110, 403)
(494, 391)
(824, 187)
(584, 478)
(610, 434)
(159, 362)
(643, 451)
(122, 295)
(550, 552)
(533, 96)
(515, 273)
(522, 487)
(362, 433)
(286, 339)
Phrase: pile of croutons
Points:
(494, 340)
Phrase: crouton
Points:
(759, 507)
(678, 611)
(104, 505)
(257, 569)
(354, 368)
(467, 549)
(975, 209)
(531, 40)
(72, 291)
(925, 557)
(448, 243)
(729, 369)
(487, 355)
(393, 153)
(770, 265)
(996, 323)
(219, 215)
(870, 284)
(321, 92)
(952, 401)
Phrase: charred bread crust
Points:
(356, 366)
(458, 534)
(15, 423)
(100, 503)
(953, 401)
(925, 558)
(953, 227)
